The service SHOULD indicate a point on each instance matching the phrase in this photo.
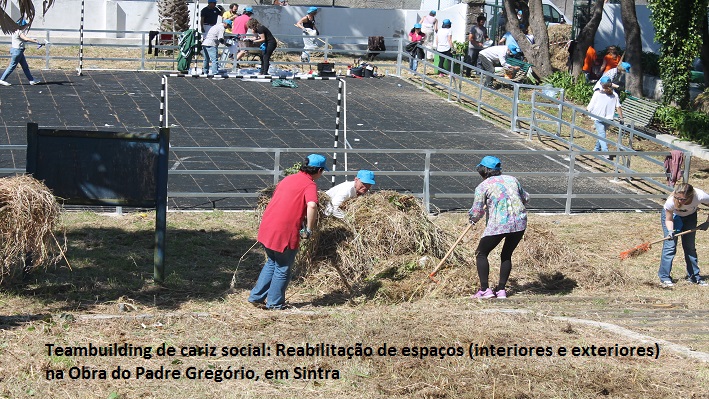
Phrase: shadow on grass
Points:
(548, 283)
(111, 264)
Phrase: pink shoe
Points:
(487, 294)
(442, 75)
(501, 294)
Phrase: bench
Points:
(525, 69)
(640, 113)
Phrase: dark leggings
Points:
(266, 57)
(486, 245)
(441, 60)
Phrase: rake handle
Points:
(450, 251)
(676, 235)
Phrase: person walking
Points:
(444, 44)
(616, 76)
(265, 40)
(17, 54)
(290, 216)
(307, 25)
(476, 42)
(680, 214)
(429, 26)
(417, 38)
(604, 103)
(347, 190)
(503, 200)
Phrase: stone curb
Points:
(695, 149)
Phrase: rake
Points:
(644, 247)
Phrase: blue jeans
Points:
(413, 63)
(669, 247)
(210, 54)
(274, 279)
(600, 131)
(17, 56)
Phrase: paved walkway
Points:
(383, 113)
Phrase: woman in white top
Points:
(680, 214)
(444, 43)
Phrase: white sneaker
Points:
(4, 83)
(35, 82)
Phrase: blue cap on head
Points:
(491, 162)
(446, 22)
(625, 66)
(433, 12)
(417, 26)
(318, 161)
(312, 10)
(366, 176)
(605, 80)
(227, 21)
(514, 50)
(249, 9)
(211, 1)
(22, 22)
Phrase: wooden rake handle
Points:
(450, 251)
(676, 235)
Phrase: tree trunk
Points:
(705, 51)
(586, 38)
(633, 48)
(174, 15)
(537, 54)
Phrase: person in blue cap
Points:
(347, 190)
(444, 44)
(17, 54)
(604, 103)
(307, 25)
(503, 200)
(290, 216)
(616, 76)
(210, 47)
(417, 38)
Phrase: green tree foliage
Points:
(678, 26)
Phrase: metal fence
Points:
(535, 111)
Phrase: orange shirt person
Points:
(589, 62)
(611, 59)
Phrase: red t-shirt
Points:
(284, 215)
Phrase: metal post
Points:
(276, 167)
(687, 163)
(161, 206)
(570, 181)
(81, 41)
(46, 51)
(515, 104)
(142, 50)
(337, 128)
(163, 103)
(427, 183)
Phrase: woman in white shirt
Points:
(444, 43)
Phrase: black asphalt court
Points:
(386, 113)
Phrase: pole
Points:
(81, 40)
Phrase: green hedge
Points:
(688, 125)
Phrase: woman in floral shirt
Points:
(503, 200)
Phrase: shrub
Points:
(687, 125)
(578, 92)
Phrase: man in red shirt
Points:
(294, 204)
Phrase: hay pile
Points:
(559, 36)
(28, 214)
(382, 232)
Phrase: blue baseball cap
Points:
(491, 162)
(605, 80)
(625, 66)
(227, 21)
(318, 161)
(22, 22)
(366, 176)
(446, 22)
(312, 10)
(417, 26)
(249, 9)
(433, 12)
(211, 1)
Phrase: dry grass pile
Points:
(28, 214)
(559, 36)
(384, 234)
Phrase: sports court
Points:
(387, 113)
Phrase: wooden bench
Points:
(525, 69)
(640, 113)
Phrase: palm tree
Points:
(8, 25)
(174, 15)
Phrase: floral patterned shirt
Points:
(503, 199)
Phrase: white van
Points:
(552, 14)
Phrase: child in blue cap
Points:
(604, 103)
(502, 199)
(17, 54)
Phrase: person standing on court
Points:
(239, 28)
(444, 44)
(349, 189)
(289, 216)
(503, 200)
(209, 16)
(307, 25)
(17, 53)
(680, 214)
(265, 40)
(210, 46)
